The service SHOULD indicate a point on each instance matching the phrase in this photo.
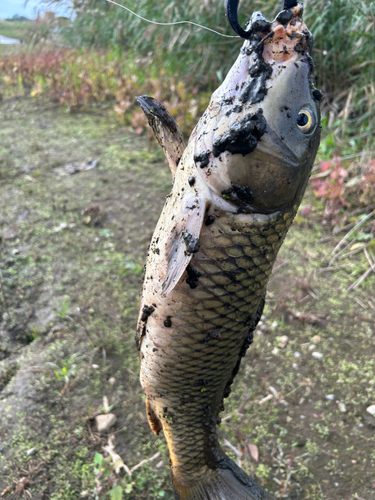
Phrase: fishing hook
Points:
(288, 4)
(231, 10)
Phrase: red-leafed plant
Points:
(80, 79)
(330, 186)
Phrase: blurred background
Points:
(82, 184)
(194, 59)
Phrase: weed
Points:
(67, 369)
(116, 493)
(63, 311)
(75, 78)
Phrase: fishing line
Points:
(171, 24)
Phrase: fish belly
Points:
(197, 334)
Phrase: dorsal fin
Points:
(165, 129)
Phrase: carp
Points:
(237, 186)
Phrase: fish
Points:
(238, 183)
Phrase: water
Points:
(6, 40)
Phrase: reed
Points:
(344, 40)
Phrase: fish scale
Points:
(220, 302)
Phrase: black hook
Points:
(288, 4)
(231, 10)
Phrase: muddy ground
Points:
(72, 250)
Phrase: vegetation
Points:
(14, 28)
(79, 79)
(344, 31)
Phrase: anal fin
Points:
(153, 420)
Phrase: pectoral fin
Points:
(183, 242)
(165, 129)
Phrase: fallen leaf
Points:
(254, 452)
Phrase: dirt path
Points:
(72, 250)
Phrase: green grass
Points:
(14, 29)
(10, 49)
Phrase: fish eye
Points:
(305, 121)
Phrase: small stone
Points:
(95, 367)
(302, 417)
(297, 355)
(263, 318)
(60, 227)
(283, 340)
(336, 484)
(312, 347)
(105, 422)
(274, 325)
(31, 452)
(317, 355)
(275, 351)
(316, 339)
(295, 366)
(342, 407)
(288, 419)
(371, 410)
(330, 397)
(112, 380)
(264, 328)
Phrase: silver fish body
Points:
(236, 190)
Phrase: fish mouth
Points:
(288, 24)
(288, 37)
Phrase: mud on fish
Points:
(237, 187)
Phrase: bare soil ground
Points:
(72, 250)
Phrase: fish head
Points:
(265, 117)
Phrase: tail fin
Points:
(227, 482)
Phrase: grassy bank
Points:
(73, 245)
(15, 29)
